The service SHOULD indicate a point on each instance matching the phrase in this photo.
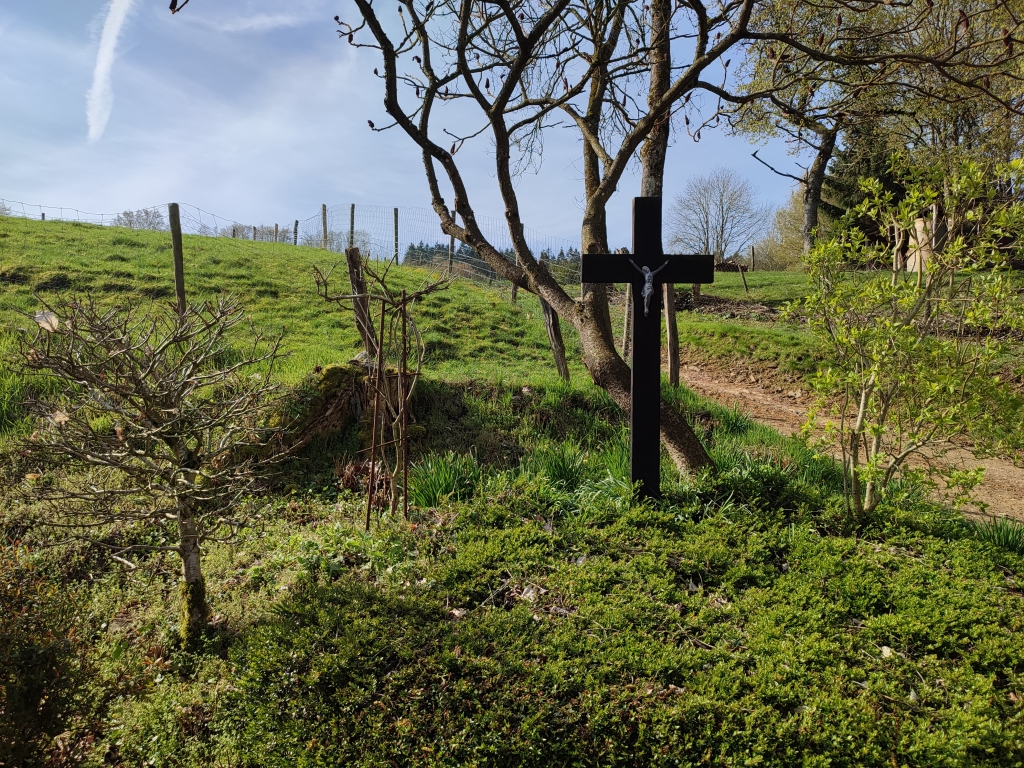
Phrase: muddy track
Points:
(783, 405)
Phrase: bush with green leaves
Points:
(40, 658)
(919, 358)
(720, 628)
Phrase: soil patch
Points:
(783, 405)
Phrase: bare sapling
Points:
(393, 369)
(158, 432)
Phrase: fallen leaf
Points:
(47, 321)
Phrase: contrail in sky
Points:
(100, 98)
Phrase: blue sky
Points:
(257, 112)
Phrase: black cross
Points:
(645, 396)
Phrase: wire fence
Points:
(410, 236)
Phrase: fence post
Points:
(396, 235)
(451, 249)
(671, 332)
(751, 258)
(295, 234)
(234, 231)
(174, 217)
(254, 233)
(323, 215)
(42, 215)
(352, 226)
(275, 233)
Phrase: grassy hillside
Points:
(529, 613)
(469, 332)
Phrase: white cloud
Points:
(100, 99)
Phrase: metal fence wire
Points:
(411, 236)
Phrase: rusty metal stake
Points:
(405, 412)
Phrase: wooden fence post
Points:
(751, 258)
(42, 216)
(295, 233)
(174, 216)
(323, 215)
(671, 333)
(361, 301)
(234, 231)
(396, 235)
(451, 249)
(275, 233)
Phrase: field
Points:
(529, 614)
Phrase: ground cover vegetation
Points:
(528, 612)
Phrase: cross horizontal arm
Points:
(617, 268)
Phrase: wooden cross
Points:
(647, 268)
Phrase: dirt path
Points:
(784, 406)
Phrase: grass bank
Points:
(529, 613)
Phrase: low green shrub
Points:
(40, 659)
(699, 632)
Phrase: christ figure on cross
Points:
(648, 268)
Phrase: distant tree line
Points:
(144, 218)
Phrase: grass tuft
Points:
(442, 478)
(1001, 532)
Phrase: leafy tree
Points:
(160, 427)
(918, 358)
(899, 72)
(782, 247)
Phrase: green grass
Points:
(772, 288)
(470, 332)
(529, 613)
(786, 347)
(1002, 532)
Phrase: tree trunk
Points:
(554, 328)
(627, 326)
(815, 180)
(195, 612)
(612, 374)
(555, 339)
(361, 302)
(671, 334)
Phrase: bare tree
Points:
(145, 218)
(161, 423)
(394, 350)
(456, 70)
(717, 213)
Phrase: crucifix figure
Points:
(648, 268)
